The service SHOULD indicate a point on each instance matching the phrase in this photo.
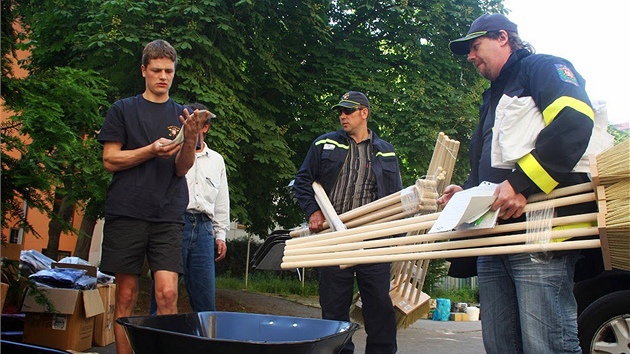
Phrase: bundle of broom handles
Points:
(366, 244)
(420, 197)
(610, 172)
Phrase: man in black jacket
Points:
(355, 167)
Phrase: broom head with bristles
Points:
(406, 312)
(610, 172)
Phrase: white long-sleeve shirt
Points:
(208, 190)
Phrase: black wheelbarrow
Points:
(234, 332)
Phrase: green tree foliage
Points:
(9, 39)
(58, 164)
(271, 71)
(617, 134)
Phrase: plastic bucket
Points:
(235, 332)
(442, 310)
(473, 313)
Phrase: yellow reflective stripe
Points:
(385, 154)
(537, 173)
(330, 141)
(577, 225)
(550, 113)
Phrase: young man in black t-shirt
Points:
(147, 196)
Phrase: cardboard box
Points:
(70, 327)
(458, 316)
(11, 251)
(104, 323)
(89, 269)
(3, 295)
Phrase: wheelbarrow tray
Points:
(235, 332)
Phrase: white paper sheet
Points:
(469, 208)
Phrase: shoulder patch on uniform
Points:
(566, 74)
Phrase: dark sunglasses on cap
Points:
(348, 111)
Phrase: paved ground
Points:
(424, 336)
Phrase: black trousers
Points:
(336, 290)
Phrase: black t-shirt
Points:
(150, 191)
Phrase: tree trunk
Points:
(62, 212)
(82, 248)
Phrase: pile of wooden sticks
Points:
(420, 197)
(364, 244)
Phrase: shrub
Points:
(465, 294)
(235, 260)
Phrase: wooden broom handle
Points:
(332, 235)
(366, 232)
(386, 213)
(357, 212)
(436, 157)
(370, 207)
(447, 245)
(397, 241)
(406, 225)
(560, 192)
(327, 208)
(469, 252)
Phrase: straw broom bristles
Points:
(610, 170)
(409, 301)
(618, 224)
(613, 164)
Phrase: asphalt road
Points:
(422, 337)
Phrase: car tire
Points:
(604, 326)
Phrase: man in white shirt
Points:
(207, 221)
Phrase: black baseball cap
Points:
(482, 25)
(353, 99)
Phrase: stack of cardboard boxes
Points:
(10, 252)
(70, 319)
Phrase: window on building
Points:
(14, 235)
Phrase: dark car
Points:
(604, 312)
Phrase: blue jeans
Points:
(336, 290)
(528, 307)
(198, 258)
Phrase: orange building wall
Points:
(38, 220)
